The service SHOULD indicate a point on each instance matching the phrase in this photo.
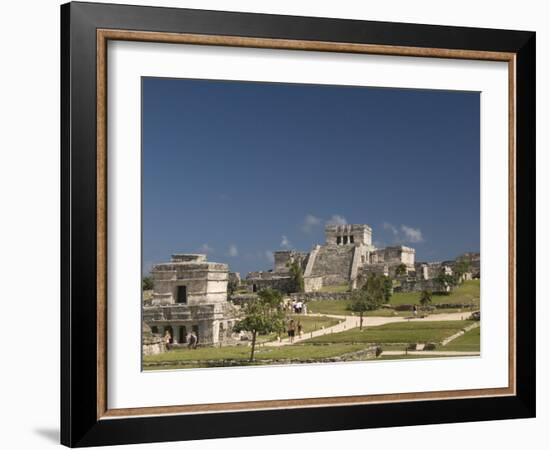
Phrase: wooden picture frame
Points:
(86, 418)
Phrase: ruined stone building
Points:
(190, 295)
(347, 255)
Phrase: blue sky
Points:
(239, 169)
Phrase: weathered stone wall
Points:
(152, 344)
(283, 258)
(348, 234)
(213, 322)
(397, 254)
(264, 280)
(333, 263)
(377, 269)
(205, 282)
(234, 277)
(204, 308)
(475, 262)
(421, 285)
(241, 299)
(312, 284)
(307, 296)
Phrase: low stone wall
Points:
(361, 355)
(241, 299)
(283, 284)
(313, 284)
(152, 344)
(308, 296)
(460, 333)
(421, 285)
(408, 307)
(154, 348)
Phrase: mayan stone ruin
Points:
(346, 257)
(190, 296)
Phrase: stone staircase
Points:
(333, 263)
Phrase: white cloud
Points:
(269, 256)
(389, 226)
(285, 243)
(404, 233)
(412, 234)
(337, 220)
(310, 222)
(205, 248)
(233, 251)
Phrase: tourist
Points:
(304, 308)
(299, 327)
(167, 339)
(291, 331)
(415, 310)
(192, 340)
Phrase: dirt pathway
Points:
(370, 321)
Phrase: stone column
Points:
(182, 330)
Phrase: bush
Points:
(147, 283)
(403, 307)
(475, 316)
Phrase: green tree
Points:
(370, 297)
(460, 268)
(232, 286)
(400, 270)
(388, 289)
(425, 297)
(297, 276)
(262, 315)
(444, 280)
(147, 283)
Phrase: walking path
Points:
(429, 352)
(369, 321)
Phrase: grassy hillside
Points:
(466, 293)
(400, 332)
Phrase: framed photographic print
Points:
(277, 224)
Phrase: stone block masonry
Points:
(190, 295)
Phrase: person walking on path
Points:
(291, 330)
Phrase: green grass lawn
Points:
(401, 332)
(339, 308)
(309, 324)
(335, 307)
(427, 355)
(466, 293)
(181, 358)
(469, 342)
(337, 288)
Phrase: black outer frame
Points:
(79, 424)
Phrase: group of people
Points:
(191, 339)
(294, 328)
(298, 307)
